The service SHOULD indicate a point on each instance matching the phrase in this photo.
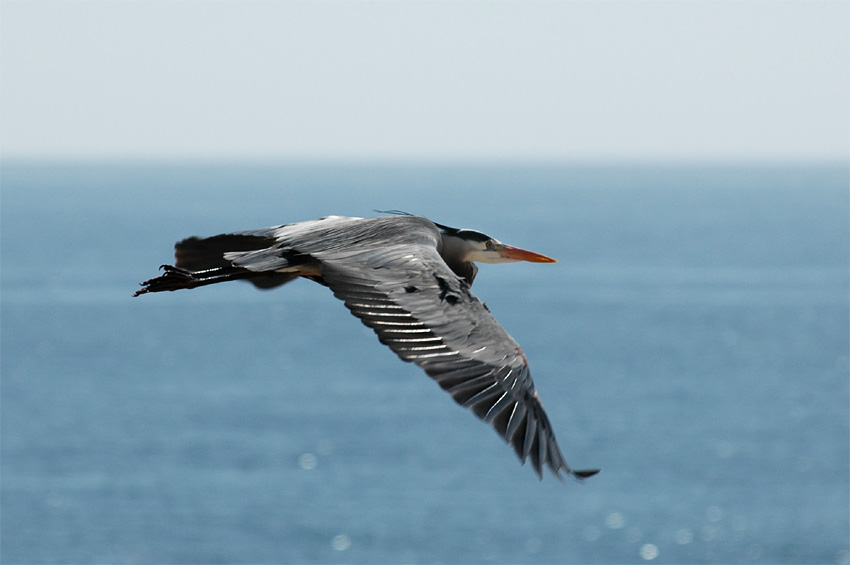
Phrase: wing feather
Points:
(422, 311)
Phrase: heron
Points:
(408, 279)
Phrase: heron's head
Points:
(471, 245)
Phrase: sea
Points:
(691, 342)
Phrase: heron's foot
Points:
(174, 278)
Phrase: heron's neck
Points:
(464, 269)
(455, 251)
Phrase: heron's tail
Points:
(201, 261)
(203, 253)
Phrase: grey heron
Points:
(408, 279)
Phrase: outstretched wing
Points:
(418, 307)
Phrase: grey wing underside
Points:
(420, 309)
(432, 319)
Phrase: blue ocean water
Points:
(692, 342)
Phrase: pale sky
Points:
(574, 81)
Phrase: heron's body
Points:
(409, 280)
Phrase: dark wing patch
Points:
(428, 316)
(198, 254)
(201, 254)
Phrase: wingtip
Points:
(584, 473)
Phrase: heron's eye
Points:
(489, 244)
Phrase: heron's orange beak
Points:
(517, 254)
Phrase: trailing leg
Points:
(175, 278)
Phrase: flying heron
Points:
(408, 279)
